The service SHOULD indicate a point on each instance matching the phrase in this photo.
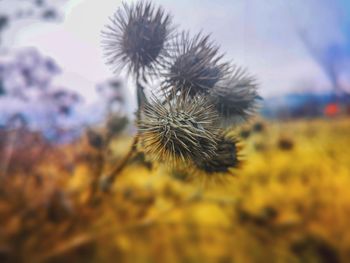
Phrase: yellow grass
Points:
(288, 204)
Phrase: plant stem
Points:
(107, 181)
(141, 97)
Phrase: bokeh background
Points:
(296, 49)
(66, 118)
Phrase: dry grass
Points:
(290, 202)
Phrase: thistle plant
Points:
(195, 65)
(137, 39)
(180, 130)
(235, 97)
(224, 158)
(200, 96)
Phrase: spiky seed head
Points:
(178, 130)
(236, 97)
(95, 139)
(225, 158)
(137, 37)
(195, 65)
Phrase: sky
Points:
(262, 36)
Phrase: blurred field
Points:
(290, 202)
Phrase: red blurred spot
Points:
(331, 110)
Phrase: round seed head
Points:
(4, 20)
(195, 66)
(226, 157)
(137, 37)
(236, 97)
(178, 130)
(95, 139)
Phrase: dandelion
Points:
(236, 97)
(137, 37)
(180, 130)
(195, 66)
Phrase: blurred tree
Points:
(331, 53)
(330, 58)
(16, 10)
(27, 90)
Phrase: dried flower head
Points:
(137, 37)
(4, 20)
(95, 139)
(179, 130)
(226, 157)
(236, 97)
(195, 66)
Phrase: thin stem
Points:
(140, 92)
(107, 181)
(9, 150)
(141, 97)
(97, 171)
